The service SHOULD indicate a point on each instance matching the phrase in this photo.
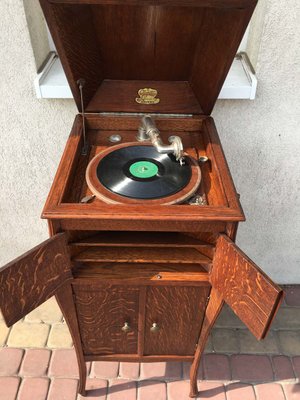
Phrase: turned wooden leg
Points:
(212, 311)
(64, 298)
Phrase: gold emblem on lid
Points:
(147, 96)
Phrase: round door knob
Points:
(126, 327)
(154, 327)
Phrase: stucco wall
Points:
(261, 139)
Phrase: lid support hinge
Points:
(84, 150)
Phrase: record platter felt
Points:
(136, 173)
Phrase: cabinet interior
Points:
(199, 139)
(194, 142)
(140, 280)
(141, 257)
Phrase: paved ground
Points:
(37, 362)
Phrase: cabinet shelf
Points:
(142, 273)
(165, 255)
(141, 239)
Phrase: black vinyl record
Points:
(140, 172)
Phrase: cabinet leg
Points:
(213, 309)
(64, 297)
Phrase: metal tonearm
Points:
(149, 131)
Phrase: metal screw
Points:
(115, 138)
(203, 159)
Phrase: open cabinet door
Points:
(31, 279)
(249, 292)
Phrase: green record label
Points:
(143, 169)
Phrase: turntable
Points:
(144, 173)
(143, 211)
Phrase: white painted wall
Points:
(261, 139)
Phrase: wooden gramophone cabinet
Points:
(139, 282)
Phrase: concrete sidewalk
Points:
(37, 362)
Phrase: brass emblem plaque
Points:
(147, 96)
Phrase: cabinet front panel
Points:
(174, 317)
(33, 278)
(102, 313)
(245, 287)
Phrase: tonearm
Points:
(149, 131)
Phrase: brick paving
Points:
(37, 362)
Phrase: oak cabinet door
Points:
(33, 278)
(173, 319)
(108, 318)
(245, 287)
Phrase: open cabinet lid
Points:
(182, 49)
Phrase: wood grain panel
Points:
(131, 36)
(102, 311)
(179, 312)
(150, 41)
(34, 277)
(176, 28)
(216, 153)
(142, 273)
(221, 33)
(66, 166)
(132, 122)
(126, 40)
(120, 95)
(141, 255)
(245, 287)
(74, 37)
(141, 239)
(136, 223)
(171, 3)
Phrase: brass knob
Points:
(126, 327)
(154, 327)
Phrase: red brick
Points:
(239, 391)
(129, 370)
(269, 391)
(120, 389)
(216, 367)
(63, 389)
(152, 390)
(292, 391)
(207, 390)
(35, 362)
(296, 363)
(96, 389)
(161, 370)
(292, 295)
(186, 366)
(283, 368)
(10, 361)
(63, 364)
(178, 390)
(9, 388)
(33, 389)
(212, 390)
(105, 369)
(251, 368)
